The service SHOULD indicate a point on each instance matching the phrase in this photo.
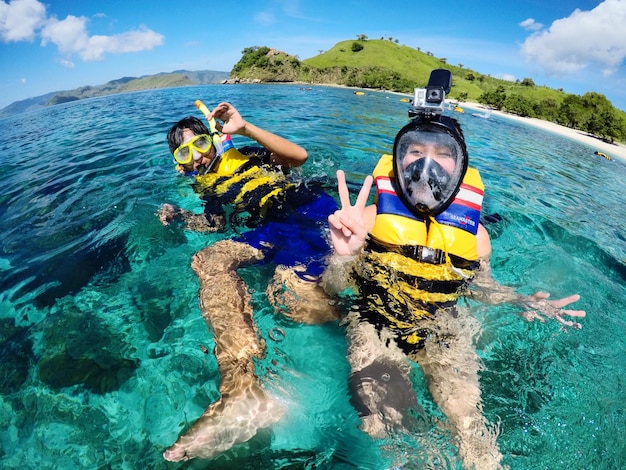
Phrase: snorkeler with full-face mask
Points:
(406, 261)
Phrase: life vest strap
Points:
(419, 253)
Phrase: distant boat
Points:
(358, 92)
(485, 115)
(458, 109)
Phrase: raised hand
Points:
(348, 229)
(541, 307)
(232, 122)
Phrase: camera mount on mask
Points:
(428, 102)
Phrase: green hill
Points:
(384, 64)
(121, 85)
(378, 64)
(412, 65)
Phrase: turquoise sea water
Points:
(101, 336)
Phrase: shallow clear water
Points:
(101, 336)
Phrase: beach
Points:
(615, 151)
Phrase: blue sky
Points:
(576, 45)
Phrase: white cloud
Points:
(68, 64)
(23, 81)
(289, 7)
(69, 35)
(20, 19)
(506, 76)
(585, 38)
(264, 19)
(531, 24)
(277, 8)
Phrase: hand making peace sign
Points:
(348, 225)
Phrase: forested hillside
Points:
(378, 64)
(385, 64)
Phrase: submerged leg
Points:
(380, 387)
(451, 368)
(300, 298)
(243, 407)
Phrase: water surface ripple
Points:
(101, 338)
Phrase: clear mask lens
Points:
(429, 165)
(192, 150)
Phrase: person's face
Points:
(439, 153)
(199, 159)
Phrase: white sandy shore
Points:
(615, 151)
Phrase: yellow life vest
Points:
(455, 229)
(231, 159)
(245, 182)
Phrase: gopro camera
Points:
(429, 101)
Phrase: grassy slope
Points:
(416, 66)
(156, 81)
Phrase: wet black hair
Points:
(175, 134)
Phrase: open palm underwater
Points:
(106, 358)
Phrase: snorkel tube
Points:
(215, 135)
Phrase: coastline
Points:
(616, 151)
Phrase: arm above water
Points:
(284, 152)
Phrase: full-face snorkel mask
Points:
(429, 162)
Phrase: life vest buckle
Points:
(423, 254)
(419, 253)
